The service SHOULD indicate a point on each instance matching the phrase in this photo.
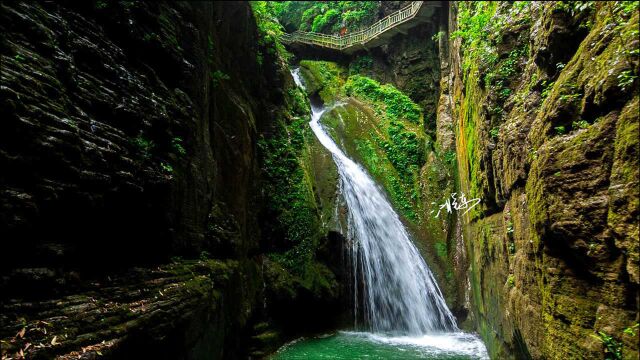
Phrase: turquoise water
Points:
(355, 345)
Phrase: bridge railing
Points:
(358, 37)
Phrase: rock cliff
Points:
(131, 213)
(545, 108)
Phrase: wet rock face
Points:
(91, 128)
(554, 251)
(111, 119)
(119, 148)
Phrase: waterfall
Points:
(398, 292)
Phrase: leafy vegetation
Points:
(325, 16)
(580, 124)
(474, 27)
(400, 139)
(359, 64)
(217, 76)
(269, 31)
(176, 145)
(323, 77)
(167, 168)
(144, 146)
(289, 189)
(547, 86)
(494, 132)
(397, 104)
(560, 130)
(613, 347)
(511, 281)
(626, 79)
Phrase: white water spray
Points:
(399, 293)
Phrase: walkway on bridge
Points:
(377, 34)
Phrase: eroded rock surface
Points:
(128, 141)
(544, 137)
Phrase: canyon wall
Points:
(544, 103)
(132, 213)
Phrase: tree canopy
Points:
(325, 16)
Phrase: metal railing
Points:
(356, 38)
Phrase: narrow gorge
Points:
(319, 180)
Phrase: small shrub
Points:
(176, 145)
(546, 88)
(626, 79)
(631, 330)
(511, 281)
(167, 168)
(441, 249)
(612, 347)
(217, 76)
(450, 157)
(580, 124)
(144, 146)
(437, 36)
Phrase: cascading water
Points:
(404, 310)
(399, 294)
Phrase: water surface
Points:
(357, 345)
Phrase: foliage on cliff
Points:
(293, 232)
(289, 188)
(546, 93)
(269, 31)
(325, 16)
(397, 105)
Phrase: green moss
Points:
(381, 129)
(294, 228)
(391, 150)
(397, 105)
(290, 193)
(441, 250)
(324, 78)
(468, 154)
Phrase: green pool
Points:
(358, 345)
